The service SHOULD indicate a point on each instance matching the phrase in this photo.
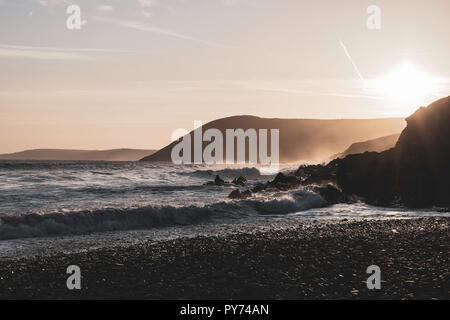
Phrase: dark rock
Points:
(369, 175)
(416, 171)
(330, 193)
(236, 194)
(219, 181)
(284, 182)
(316, 174)
(241, 181)
(258, 187)
(282, 178)
(246, 193)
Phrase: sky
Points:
(137, 70)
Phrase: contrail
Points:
(353, 63)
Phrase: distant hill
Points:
(376, 145)
(88, 155)
(303, 139)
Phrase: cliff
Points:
(415, 172)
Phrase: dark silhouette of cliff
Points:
(76, 155)
(303, 139)
(415, 172)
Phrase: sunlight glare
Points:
(405, 84)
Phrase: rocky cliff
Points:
(415, 172)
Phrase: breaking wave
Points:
(113, 219)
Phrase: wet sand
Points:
(305, 261)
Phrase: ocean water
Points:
(63, 198)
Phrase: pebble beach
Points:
(304, 260)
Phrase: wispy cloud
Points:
(146, 6)
(104, 8)
(43, 3)
(320, 93)
(48, 3)
(343, 88)
(146, 3)
(230, 2)
(142, 26)
(50, 53)
(42, 54)
(31, 48)
(147, 14)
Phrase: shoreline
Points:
(296, 260)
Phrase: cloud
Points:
(319, 93)
(47, 3)
(7, 46)
(104, 8)
(42, 55)
(49, 53)
(146, 3)
(230, 2)
(147, 14)
(142, 26)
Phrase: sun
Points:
(406, 84)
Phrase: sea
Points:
(83, 204)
